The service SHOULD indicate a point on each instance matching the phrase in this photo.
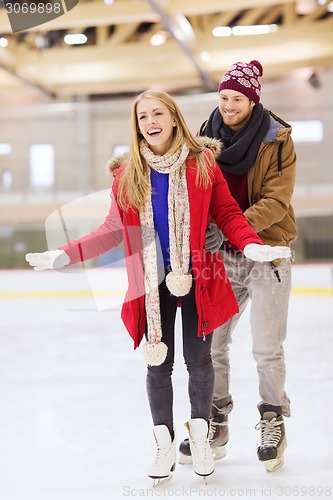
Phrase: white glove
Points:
(53, 259)
(266, 253)
(214, 238)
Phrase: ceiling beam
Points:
(136, 11)
(316, 13)
(110, 69)
(122, 33)
(121, 50)
(181, 30)
(251, 16)
(8, 63)
(40, 89)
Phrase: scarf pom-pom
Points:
(179, 284)
(155, 353)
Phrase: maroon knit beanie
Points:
(244, 78)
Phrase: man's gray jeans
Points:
(257, 282)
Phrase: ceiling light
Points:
(41, 41)
(205, 56)
(222, 31)
(108, 2)
(159, 38)
(304, 7)
(3, 42)
(75, 39)
(259, 29)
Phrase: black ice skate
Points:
(218, 438)
(273, 437)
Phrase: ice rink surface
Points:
(74, 418)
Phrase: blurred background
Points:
(74, 420)
(67, 86)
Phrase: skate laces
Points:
(201, 446)
(162, 453)
(213, 428)
(270, 432)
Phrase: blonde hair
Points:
(134, 186)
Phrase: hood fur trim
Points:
(213, 144)
(114, 163)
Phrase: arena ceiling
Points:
(119, 57)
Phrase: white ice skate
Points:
(202, 456)
(218, 438)
(165, 459)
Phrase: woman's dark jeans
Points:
(197, 356)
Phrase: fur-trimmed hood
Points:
(115, 162)
(209, 143)
(215, 145)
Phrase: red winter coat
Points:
(215, 299)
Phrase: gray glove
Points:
(214, 238)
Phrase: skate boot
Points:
(218, 438)
(203, 461)
(165, 458)
(273, 437)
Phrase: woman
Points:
(170, 185)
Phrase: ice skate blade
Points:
(157, 481)
(273, 465)
(204, 476)
(218, 453)
(160, 481)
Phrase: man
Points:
(258, 162)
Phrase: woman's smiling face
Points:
(156, 124)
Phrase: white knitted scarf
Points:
(179, 280)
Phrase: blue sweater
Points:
(160, 188)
